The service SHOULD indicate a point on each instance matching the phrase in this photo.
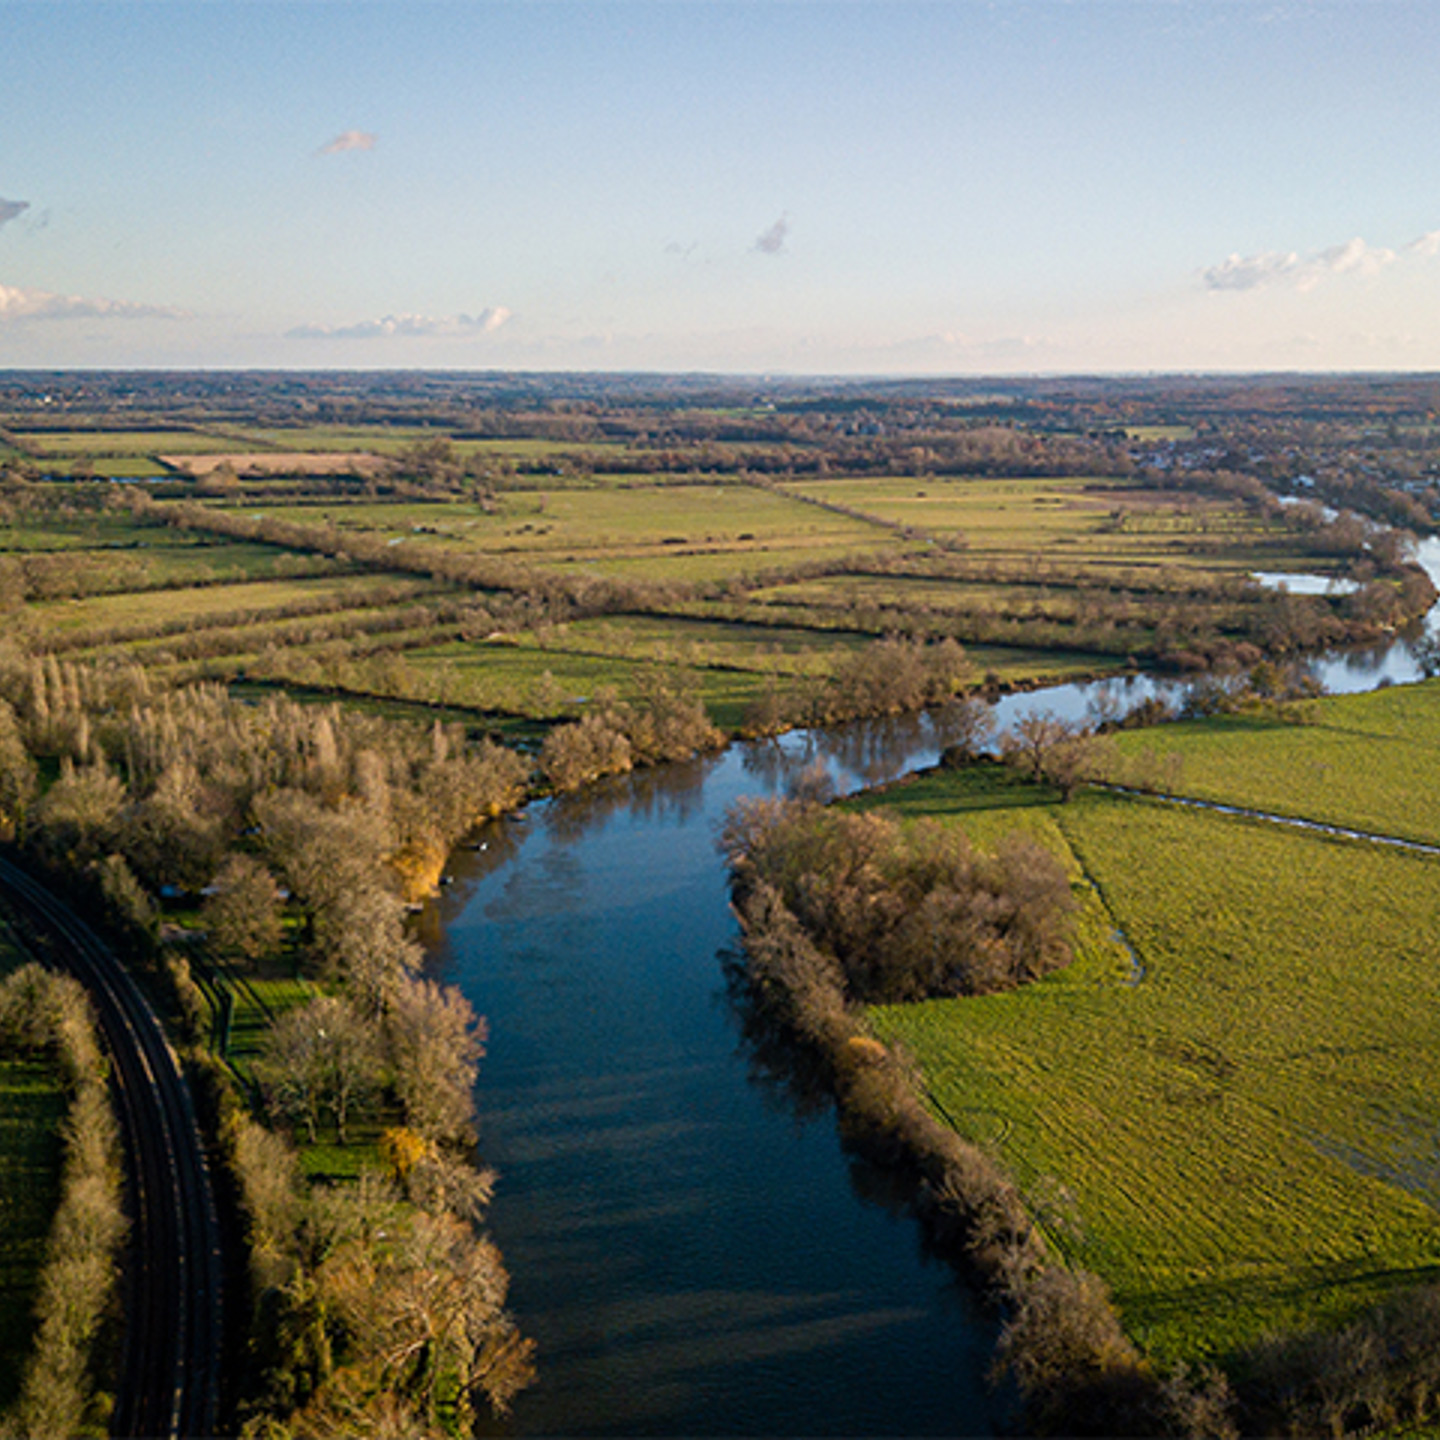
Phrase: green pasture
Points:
(88, 530)
(138, 609)
(782, 650)
(522, 448)
(392, 439)
(1160, 432)
(94, 444)
(711, 562)
(508, 729)
(376, 439)
(229, 647)
(1367, 762)
(132, 467)
(138, 568)
(1112, 522)
(598, 523)
(32, 1108)
(555, 683)
(260, 998)
(951, 597)
(1243, 1141)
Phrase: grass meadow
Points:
(1242, 1139)
(138, 610)
(111, 444)
(1366, 762)
(1107, 522)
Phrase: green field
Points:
(392, 439)
(80, 444)
(1107, 523)
(1366, 762)
(512, 677)
(606, 523)
(32, 1108)
(800, 571)
(140, 610)
(1243, 1140)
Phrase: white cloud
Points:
(1354, 257)
(1290, 270)
(350, 140)
(9, 209)
(408, 326)
(18, 304)
(772, 241)
(1249, 272)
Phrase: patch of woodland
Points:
(295, 838)
(906, 912)
(667, 721)
(64, 1387)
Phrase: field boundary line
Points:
(1294, 822)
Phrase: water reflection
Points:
(790, 1078)
(877, 750)
(671, 793)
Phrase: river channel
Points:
(692, 1250)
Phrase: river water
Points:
(692, 1250)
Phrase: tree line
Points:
(64, 1386)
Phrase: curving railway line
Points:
(170, 1379)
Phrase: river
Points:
(692, 1250)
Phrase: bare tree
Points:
(320, 1059)
(436, 1041)
(241, 914)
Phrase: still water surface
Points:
(691, 1248)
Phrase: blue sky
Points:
(783, 185)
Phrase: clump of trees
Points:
(1378, 1375)
(666, 721)
(61, 1390)
(379, 1303)
(908, 912)
(1065, 754)
(891, 676)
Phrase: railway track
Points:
(170, 1379)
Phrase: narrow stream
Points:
(692, 1250)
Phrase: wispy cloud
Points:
(772, 241)
(9, 209)
(1294, 271)
(350, 140)
(408, 326)
(17, 304)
